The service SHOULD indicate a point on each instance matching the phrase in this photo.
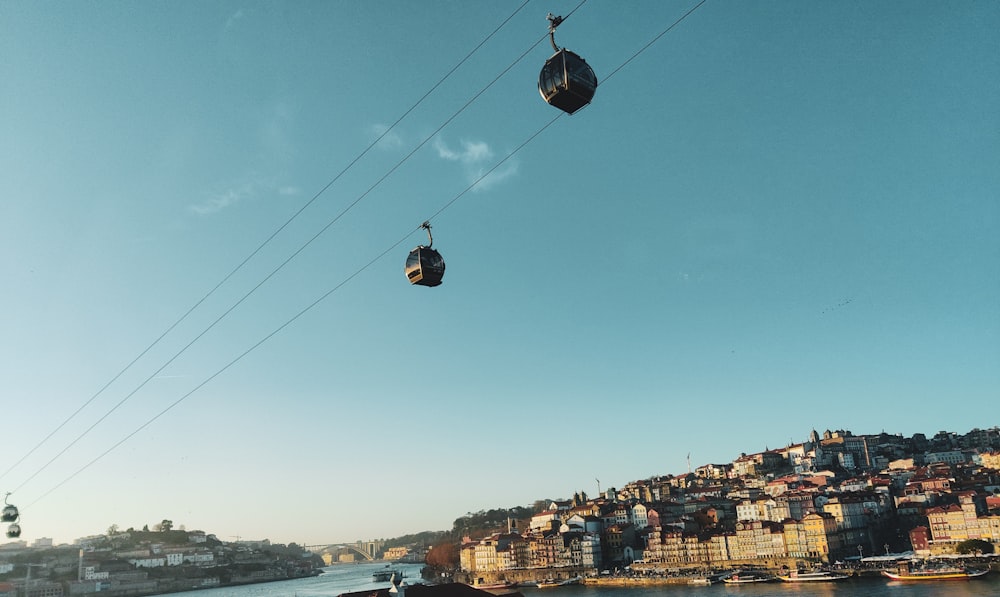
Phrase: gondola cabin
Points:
(424, 267)
(10, 513)
(14, 531)
(567, 81)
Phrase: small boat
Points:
(701, 580)
(814, 576)
(386, 575)
(497, 586)
(739, 578)
(548, 582)
(948, 573)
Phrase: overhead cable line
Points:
(337, 287)
(263, 244)
(654, 40)
(302, 312)
(290, 258)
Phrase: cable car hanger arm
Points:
(554, 22)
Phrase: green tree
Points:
(165, 526)
(113, 530)
(974, 546)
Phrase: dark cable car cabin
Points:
(566, 81)
(425, 266)
(10, 513)
(14, 531)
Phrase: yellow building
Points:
(948, 524)
(821, 535)
(396, 553)
(796, 539)
(991, 460)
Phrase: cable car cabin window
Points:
(567, 81)
(425, 267)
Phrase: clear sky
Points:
(780, 216)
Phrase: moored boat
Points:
(549, 582)
(497, 586)
(813, 576)
(739, 578)
(949, 573)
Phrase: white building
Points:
(639, 516)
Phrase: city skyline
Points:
(771, 219)
(824, 435)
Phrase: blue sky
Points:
(780, 216)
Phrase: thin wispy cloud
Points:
(476, 158)
(234, 19)
(391, 139)
(472, 152)
(254, 188)
(220, 200)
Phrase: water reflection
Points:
(358, 577)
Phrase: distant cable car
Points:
(566, 81)
(9, 513)
(425, 266)
(14, 531)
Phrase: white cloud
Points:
(253, 187)
(389, 139)
(476, 158)
(233, 19)
(502, 173)
(221, 200)
(472, 152)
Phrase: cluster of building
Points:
(837, 496)
(118, 565)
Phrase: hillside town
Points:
(146, 562)
(837, 497)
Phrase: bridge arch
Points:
(357, 550)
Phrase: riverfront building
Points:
(835, 496)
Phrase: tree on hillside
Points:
(484, 522)
(113, 530)
(164, 527)
(443, 556)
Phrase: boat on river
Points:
(549, 583)
(496, 586)
(739, 578)
(386, 575)
(812, 576)
(944, 573)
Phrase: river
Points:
(345, 578)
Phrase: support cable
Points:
(260, 247)
(346, 280)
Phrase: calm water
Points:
(358, 577)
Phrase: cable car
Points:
(14, 531)
(566, 81)
(425, 266)
(10, 513)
